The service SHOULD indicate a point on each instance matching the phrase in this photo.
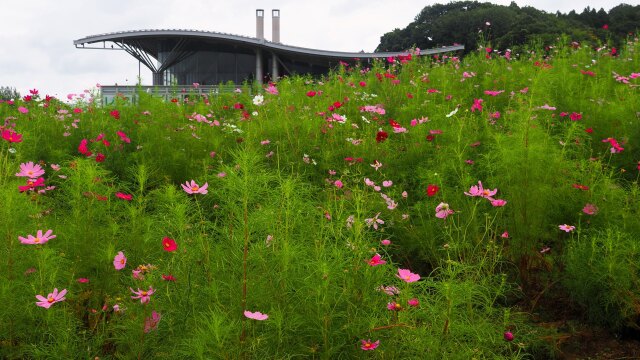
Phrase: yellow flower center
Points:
(195, 188)
(408, 277)
(367, 345)
(51, 299)
(144, 293)
(36, 240)
(122, 261)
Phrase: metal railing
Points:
(108, 93)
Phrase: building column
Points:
(259, 72)
(274, 67)
(158, 78)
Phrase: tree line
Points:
(502, 27)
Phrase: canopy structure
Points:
(181, 57)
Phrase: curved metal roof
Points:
(125, 36)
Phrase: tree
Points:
(8, 93)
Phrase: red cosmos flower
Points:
(605, 27)
(11, 136)
(34, 91)
(430, 137)
(381, 136)
(48, 98)
(115, 114)
(238, 106)
(432, 190)
(100, 157)
(394, 123)
(174, 100)
(168, 277)
(82, 148)
(311, 93)
(588, 130)
(32, 184)
(337, 105)
(580, 187)
(575, 116)
(169, 244)
(27, 98)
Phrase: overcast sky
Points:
(36, 40)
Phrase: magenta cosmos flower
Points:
(30, 170)
(376, 260)
(143, 295)
(368, 345)
(193, 188)
(51, 299)
(119, 261)
(256, 315)
(407, 275)
(40, 238)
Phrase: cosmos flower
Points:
(193, 188)
(143, 295)
(368, 345)
(256, 315)
(30, 170)
(407, 275)
(40, 238)
(51, 299)
(376, 260)
(119, 261)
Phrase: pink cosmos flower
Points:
(193, 188)
(493, 92)
(394, 306)
(151, 323)
(82, 280)
(413, 302)
(51, 299)
(407, 275)
(143, 295)
(505, 235)
(480, 191)
(23, 110)
(590, 209)
(272, 90)
(376, 260)
(119, 261)
(123, 137)
(30, 170)
(385, 242)
(124, 196)
(387, 183)
(256, 315)
(38, 239)
(338, 184)
(443, 211)
(566, 228)
(368, 345)
(374, 221)
(498, 202)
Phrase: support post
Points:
(259, 73)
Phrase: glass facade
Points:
(210, 68)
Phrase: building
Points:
(184, 57)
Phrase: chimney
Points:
(260, 23)
(275, 25)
